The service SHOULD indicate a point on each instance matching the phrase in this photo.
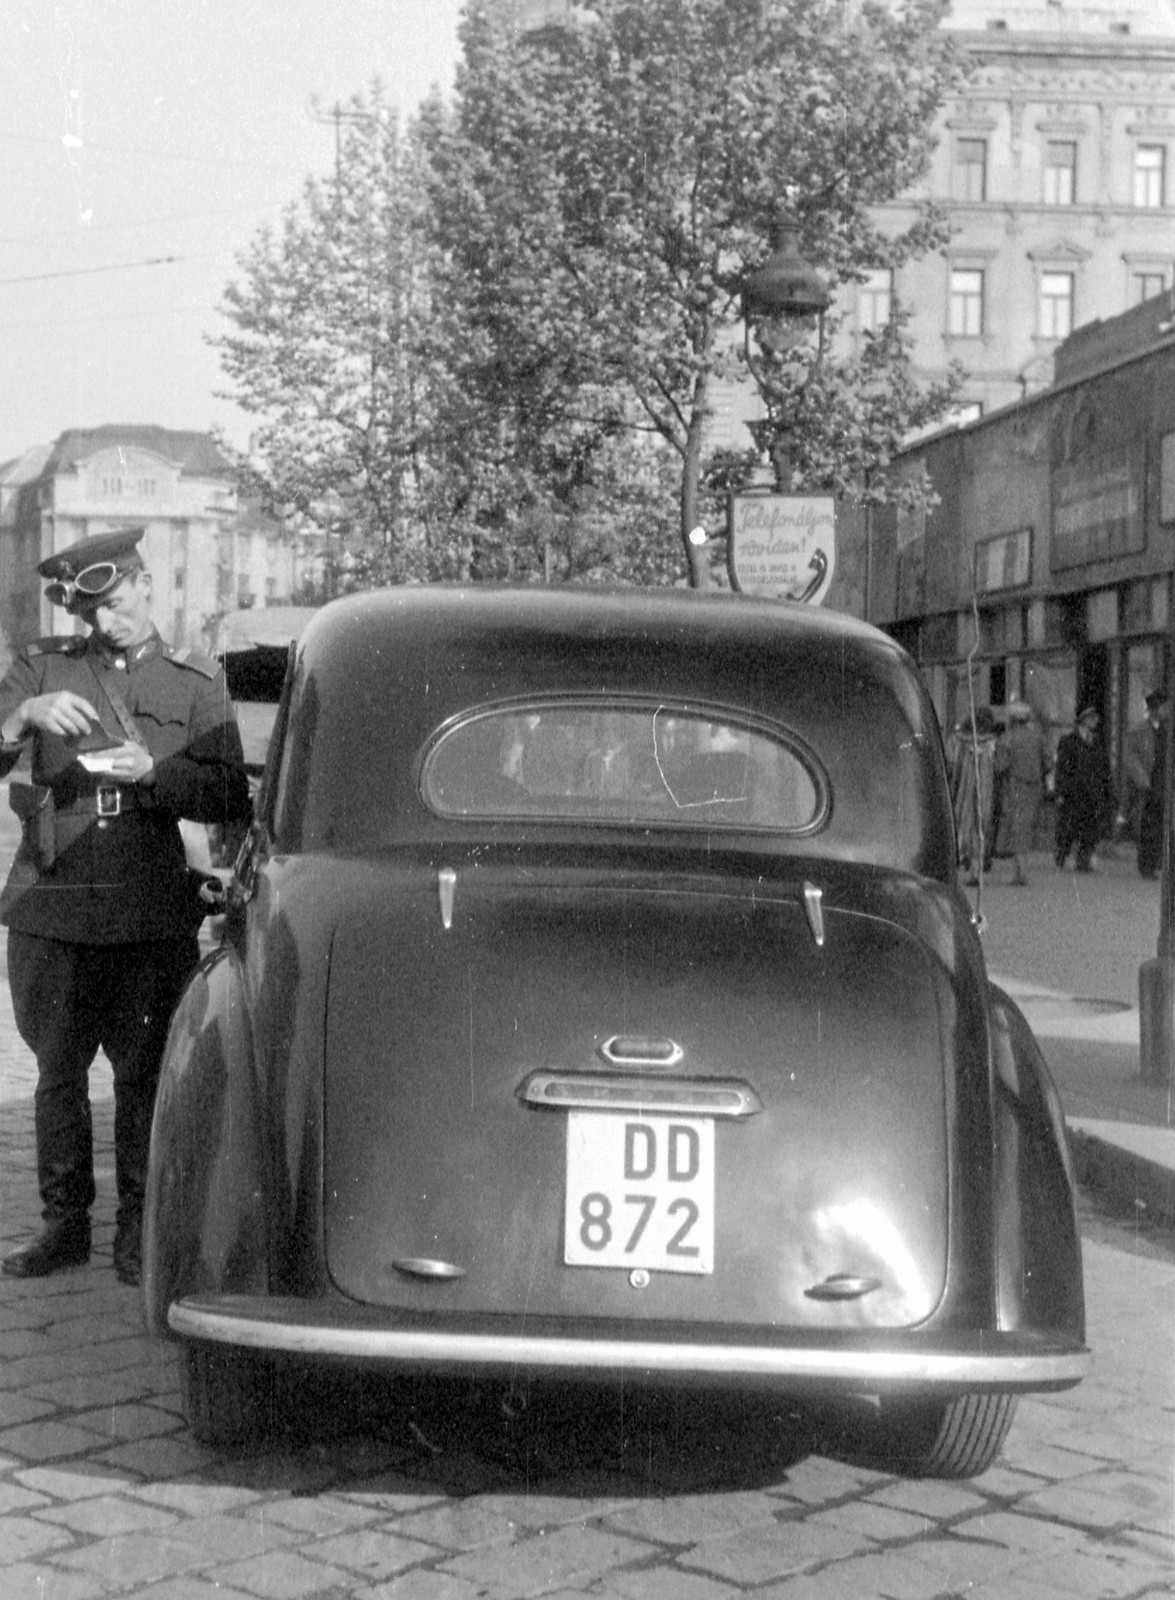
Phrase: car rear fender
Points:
(205, 1215)
(1038, 1245)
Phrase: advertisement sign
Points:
(1098, 508)
(782, 546)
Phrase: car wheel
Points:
(957, 1438)
(230, 1394)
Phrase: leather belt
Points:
(108, 800)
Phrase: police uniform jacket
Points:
(118, 878)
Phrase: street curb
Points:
(1126, 1179)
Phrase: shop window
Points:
(965, 313)
(875, 300)
(1055, 317)
(1150, 172)
(971, 169)
(1060, 172)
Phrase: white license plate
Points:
(640, 1192)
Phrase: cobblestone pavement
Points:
(439, 1494)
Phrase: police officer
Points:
(99, 907)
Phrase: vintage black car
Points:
(596, 1000)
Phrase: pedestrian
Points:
(1021, 764)
(972, 762)
(1138, 759)
(127, 736)
(1150, 825)
(1083, 793)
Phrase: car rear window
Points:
(628, 764)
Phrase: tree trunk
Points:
(697, 555)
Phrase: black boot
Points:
(63, 1242)
(128, 1247)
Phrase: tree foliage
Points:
(325, 320)
(602, 188)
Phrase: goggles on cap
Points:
(90, 584)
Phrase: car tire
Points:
(230, 1395)
(957, 1438)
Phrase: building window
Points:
(875, 300)
(1060, 173)
(971, 169)
(1145, 286)
(1150, 170)
(1056, 305)
(965, 317)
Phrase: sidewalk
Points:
(1068, 949)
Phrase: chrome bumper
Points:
(299, 1328)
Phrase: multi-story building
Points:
(207, 553)
(1054, 164)
(1042, 569)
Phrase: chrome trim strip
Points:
(428, 1267)
(813, 905)
(446, 888)
(645, 1055)
(845, 1367)
(603, 1091)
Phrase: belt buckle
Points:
(109, 800)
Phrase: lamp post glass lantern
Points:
(780, 544)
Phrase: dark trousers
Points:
(1080, 828)
(70, 1000)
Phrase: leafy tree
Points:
(603, 186)
(322, 353)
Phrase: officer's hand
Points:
(129, 762)
(61, 712)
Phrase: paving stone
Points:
(70, 1483)
(319, 1517)
(132, 1560)
(667, 1583)
(186, 1586)
(14, 1498)
(1108, 1500)
(816, 1481)
(47, 1440)
(757, 1555)
(88, 1390)
(284, 1575)
(22, 1537)
(423, 1585)
(1110, 1577)
(569, 1557)
(928, 1498)
(371, 1553)
(879, 1522)
(127, 1421)
(36, 1581)
(459, 1525)
(684, 1520)
(194, 1498)
(888, 1575)
(168, 1457)
(230, 1536)
(109, 1516)
(18, 1408)
(1015, 1530)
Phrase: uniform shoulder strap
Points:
(194, 661)
(65, 644)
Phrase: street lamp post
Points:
(780, 545)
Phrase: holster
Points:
(33, 804)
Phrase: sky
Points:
(143, 144)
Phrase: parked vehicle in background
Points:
(596, 1000)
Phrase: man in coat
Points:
(1083, 791)
(127, 736)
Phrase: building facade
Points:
(1043, 571)
(1056, 167)
(207, 553)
